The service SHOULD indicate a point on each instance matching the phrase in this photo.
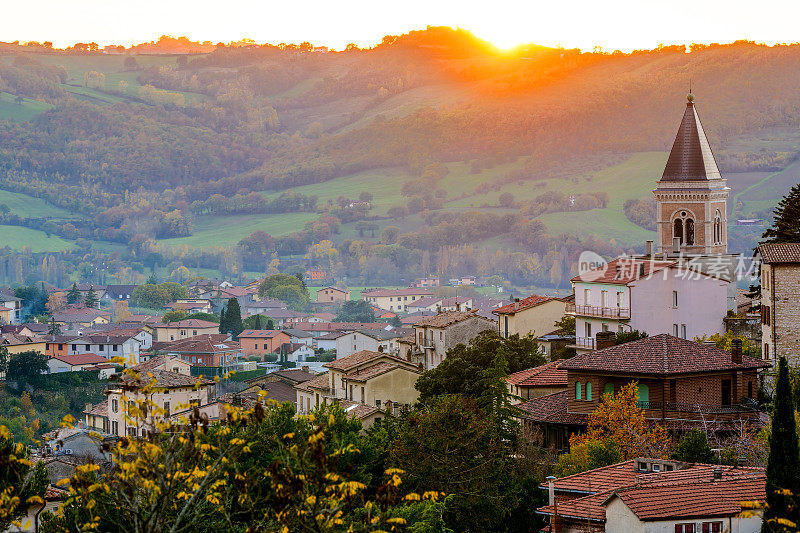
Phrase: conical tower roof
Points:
(691, 158)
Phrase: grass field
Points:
(23, 112)
(30, 206)
(210, 231)
(767, 191)
(18, 237)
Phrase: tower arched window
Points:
(689, 231)
(717, 228)
(678, 229)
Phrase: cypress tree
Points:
(223, 320)
(233, 318)
(91, 298)
(786, 224)
(74, 294)
(783, 465)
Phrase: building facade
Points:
(780, 305)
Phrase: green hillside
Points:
(30, 206)
(17, 237)
(26, 110)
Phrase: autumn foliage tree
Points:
(619, 419)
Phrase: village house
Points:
(109, 346)
(681, 384)
(215, 350)
(433, 303)
(367, 378)
(183, 329)
(260, 342)
(647, 495)
(298, 336)
(394, 299)
(191, 305)
(534, 315)
(85, 288)
(435, 335)
(537, 381)
(14, 306)
(288, 376)
(282, 317)
(374, 340)
(426, 283)
(295, 352)
(74, 363)
(332, 295)
(327, 342)
(260, 307)
(649, 295)
(22, 343)
(551, 343)
(780, 308)
(316, 393)
(81, 317)
(317, 329)
(57, 345)
(118, 293)
(463, 280)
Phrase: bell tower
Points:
(691, 196)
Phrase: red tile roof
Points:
(525, 303)
(787, 252)
(337, 326)
(624, 270)
(81, 359)
(259, 333)
(552, 409)
(359, 358)
(706, 498)
(546, 375)
(660, 355)
(448, 318)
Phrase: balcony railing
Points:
(695, 407)
(584, 342)
(601, 312)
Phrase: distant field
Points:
(210, 231)
(384, 184)
(17, 237)
(30, 206)
(355, 292)
(767, 191)
(23, 112)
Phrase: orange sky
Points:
(620, 24)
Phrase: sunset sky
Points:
(620, 24)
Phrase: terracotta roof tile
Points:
(376, 370)
(788, 252)
(321, 382)
(525, 303)
(623, 270)
(81, 359)
(659, 355)
(359, 358)
(259, 333)
(163, 379)
(552, 409)
(448, 318)
(546, 375)
(358, 411)
(189, 323)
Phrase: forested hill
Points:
(148, 147)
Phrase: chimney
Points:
(648, 248)
(736, 351)
(551, 490)
(458, 306)
(676, 245)
(438, 309)
(717, 474)
(304, 368)
(605, 339)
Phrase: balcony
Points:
(584, 342)
(620, 313)
(696, 408)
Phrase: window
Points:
(362, 395)
(100, 347)
(766, 351)
(115, 427)
(589, 391)
(712, 527)
(619, 299)
(578, 391)
(604, 298)
(115, 347)
(683, 331)
(586, 296)
(114, 406)
(675, 330)
(643, 393)
(166, 408)
(674, 298)
(88, 347)
(689, 231)
(588, 329)
(60, 346)
(608, 388)
(717, 228)
(726, 392)
(74, 347)
(684, 528)
(677, 230)
(505, 319)
(378, 404)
